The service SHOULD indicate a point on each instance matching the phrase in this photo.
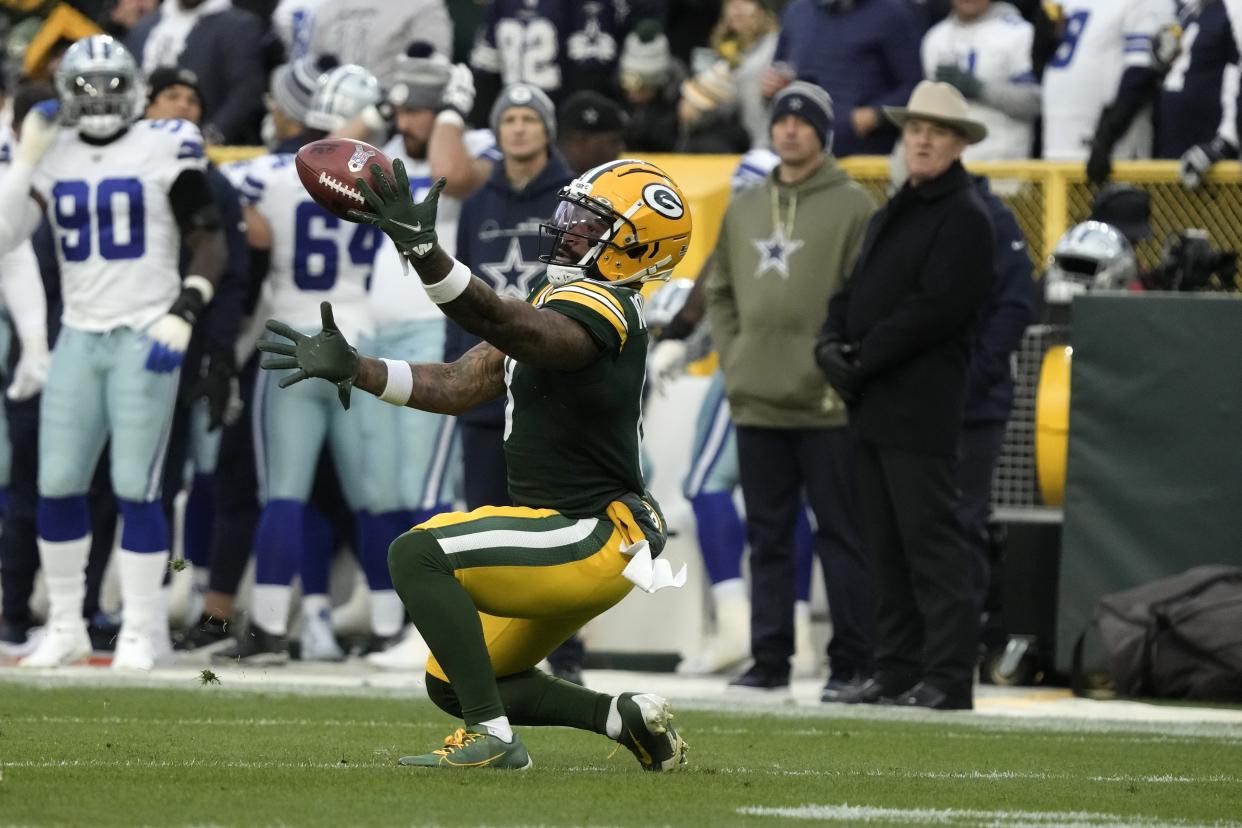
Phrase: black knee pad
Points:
(442, 695)
(414, 551)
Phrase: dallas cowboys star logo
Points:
(774, 252)
(513, 276)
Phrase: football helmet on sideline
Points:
(342, 95)
(100, 87)
(621, 222)
(1090, 256)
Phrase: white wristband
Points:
(400, 384)
(451, 116)
(451, 286)
(202, 284)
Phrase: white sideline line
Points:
(994, 733)
(969, 775)
(119, 720)
(854, 814)
(231, 764)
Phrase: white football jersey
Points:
(754, 167)
(315, 256)
(19, 269)
(116, 236)
(395, 296)
(996, 49)
(1102, 38)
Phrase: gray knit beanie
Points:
(524, 94)
(294, 84)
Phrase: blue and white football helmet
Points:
(100, 86)
(1090, 256)
(342, 95)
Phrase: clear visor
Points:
(577, 232)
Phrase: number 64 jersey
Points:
(315, 256)
(116, 236)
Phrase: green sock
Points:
(535, 698)
(448, 620)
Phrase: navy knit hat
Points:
(810, 103)
(165, 76)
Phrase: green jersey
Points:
(572, 439)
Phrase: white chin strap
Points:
(564, 274)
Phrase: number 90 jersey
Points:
(116, 236)
(315, 256)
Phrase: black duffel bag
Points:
(1177, 638)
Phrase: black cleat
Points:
(256, 647)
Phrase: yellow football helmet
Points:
(622, 222)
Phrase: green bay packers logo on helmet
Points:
(663, 200)
(622, 222)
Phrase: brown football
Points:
(328, 169)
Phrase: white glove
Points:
(39, 130)
(458, 93)
(1195, 162)
(666, 363)
(170, 336)
(30, 374)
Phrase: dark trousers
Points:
(19, 549)
(19, 552)
(237, 494)
(926, 624)
(978, 451)
(484, 478)
(778, 467)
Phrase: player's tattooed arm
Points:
(542, 338)
(475, 378)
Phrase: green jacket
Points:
(768, 294)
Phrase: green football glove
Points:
(326, 355)
(966, 83)
(411, 226)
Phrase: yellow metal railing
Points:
(1046, 197)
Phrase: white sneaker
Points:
(717, 655)
(139, 649)
(15, 651)
(319, 639)
(410, 653)
(61, 644)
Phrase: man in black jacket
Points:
(896, 347)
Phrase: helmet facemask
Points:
(100, 103)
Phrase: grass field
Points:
(209, 755)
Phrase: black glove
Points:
(839, 363)
(1100, 163)
(327, 355)
(218, 385)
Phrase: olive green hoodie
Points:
(768, 294)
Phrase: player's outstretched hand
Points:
(327, 354)
(39, 130)
(412, 227)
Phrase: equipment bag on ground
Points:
(1179, 637)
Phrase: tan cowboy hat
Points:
(939, 102)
